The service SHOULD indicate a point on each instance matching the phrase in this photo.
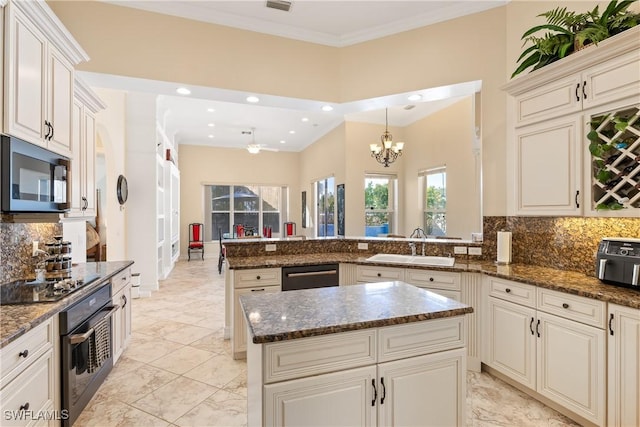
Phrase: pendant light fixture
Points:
(388, 152)
(253, 148)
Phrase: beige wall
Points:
(201, 165)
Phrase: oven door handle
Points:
(80, 338)
(313, 273)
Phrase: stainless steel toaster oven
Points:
(618, 261)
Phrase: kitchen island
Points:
(384, 353)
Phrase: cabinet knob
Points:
(379, 274)
(257, 277)
(23, 353)
(565, 305)
(431, 279)
(508, 290)
(24, 407)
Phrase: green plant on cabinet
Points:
(568, 32)
(614, 144)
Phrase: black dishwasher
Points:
(309, 276)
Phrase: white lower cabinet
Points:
(121, 319)
(623, 366)
(30, 378)
(441, 282)
(555, 355)
(404, 375)
(340, 398)
(239, 337)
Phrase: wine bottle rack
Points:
(614, 144)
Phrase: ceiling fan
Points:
(254, 148)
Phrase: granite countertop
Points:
(311, 312)
(15, 320)
(564, 281)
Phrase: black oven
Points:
(33, 179)
(86, 347)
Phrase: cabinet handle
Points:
(508, 290)
(46, 123)
(611, 324)
(384, 391)
(51, 126)
(84, 203)
(577, 96)
(531, 326)
(565, 305)
(375, 392)
(584, 90)
(577, 202)
(257, 290)
(23, 353)
(24, 407)
(124, 299)
(538, 328)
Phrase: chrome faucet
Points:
(413, 248)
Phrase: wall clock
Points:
(122, 190)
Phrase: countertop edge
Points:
(288, 336)
(55, 307)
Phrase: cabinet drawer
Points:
(15, 357)
(379, 274)
(257, 277)
(519, 293)
(549, 101)
(33, 387)
(415, 339)
(433, 279)
(120, 280)
(318, 355)
(573, 307)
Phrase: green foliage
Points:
(376, 196)
(568, 31)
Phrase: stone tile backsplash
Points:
(565, 243)
(16, 240)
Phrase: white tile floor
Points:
(178, 369)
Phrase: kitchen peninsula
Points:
(352, 355)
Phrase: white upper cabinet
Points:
(547, 114)
(39, 76)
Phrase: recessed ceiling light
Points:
(292, 132)
(327, 108)
(211, 110)
(415, 97)
(183, 91)
(211, 125)
(305, 119)
(210, 136)
(253, 99)
(282, 141)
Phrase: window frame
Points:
(423, 176)
(392, 200)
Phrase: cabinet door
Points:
(512, 344)
(571, 366)
(117, 338)
(76, 161)
(623, 359)
(89, 160)
(560, 97)
(612, 80)
(239, 337)
(548, 162)
(423, 391)
(345, 398)
(26, 94)
(126, 315)
(60, 101)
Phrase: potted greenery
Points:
(569, 31)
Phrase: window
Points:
(253, 206)
(379, 202)
(325, 204)
(434, 183)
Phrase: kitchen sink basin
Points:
(438, 261)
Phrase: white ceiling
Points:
(330, 22)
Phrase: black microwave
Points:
(33, 179)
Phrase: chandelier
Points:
(388, 152)
(253, 148)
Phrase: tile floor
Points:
(178, 369)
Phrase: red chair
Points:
(196, 233)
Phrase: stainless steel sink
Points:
(438, 261)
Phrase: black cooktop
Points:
(25, 292)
